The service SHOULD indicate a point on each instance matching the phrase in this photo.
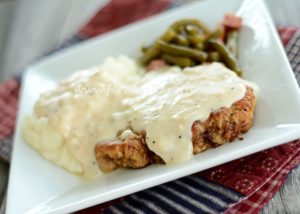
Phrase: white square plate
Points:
(38, 186)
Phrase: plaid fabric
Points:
(8, 109)
(203, 192)
(8, 102)
(254, 202)
(293, 52)
(119, 13)
(286, 33)
(6, 148)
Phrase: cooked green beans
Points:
(191, 30)
(180, 61)
(177, 50)
(150, 54)
(194, 22)
(189, 42)
(231, 42)
(226, 56)
(169, 35)
(217, 34)
(214, 56)
(196, 39)
(181, 40)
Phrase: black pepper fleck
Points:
(179, 136)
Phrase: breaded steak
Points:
(223, 125)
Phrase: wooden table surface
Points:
(287, 199)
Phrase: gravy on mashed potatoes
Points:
(94, 105)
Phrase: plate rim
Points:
(85, 44)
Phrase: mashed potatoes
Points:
(50, 143)
(69, 120)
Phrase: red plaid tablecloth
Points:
(248, 182)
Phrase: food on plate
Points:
(223, 125)
(154, 116)
(190, 42)
(82, 110)
(119, 114)
(232, 21)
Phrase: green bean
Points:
(181, 31)
(196, 39)
(214, 56)
(152, 53)
(181, 40)
(194, 22)
(191, 30)
(231, 42)
(180, 61)
(200, 46)
(217, 34)
(226, 56)
(145, 48)
(177, 50)
(169, 35)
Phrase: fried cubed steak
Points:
(223, 125)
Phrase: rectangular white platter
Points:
(38, 186)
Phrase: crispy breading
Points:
(223, 125)
(132, 152)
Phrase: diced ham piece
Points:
(156, 64)
(232, 21)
